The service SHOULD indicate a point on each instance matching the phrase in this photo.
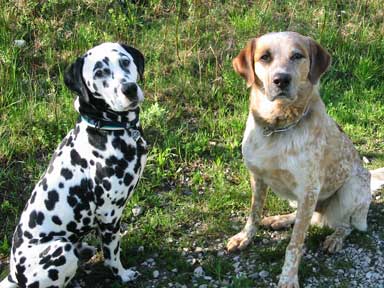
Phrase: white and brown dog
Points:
(294, 147)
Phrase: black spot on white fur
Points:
(92, 170)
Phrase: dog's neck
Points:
(279, 114)
(108, 117)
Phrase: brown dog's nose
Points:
(282, 80)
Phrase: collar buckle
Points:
(267, 131)
(98, 124)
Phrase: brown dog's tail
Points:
(377, 179)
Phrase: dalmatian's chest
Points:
(115, 170)
(90, 178)
(116, 164)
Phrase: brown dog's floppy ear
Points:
(244, 63)
(138, 58)
(320, 61)
(74, 80)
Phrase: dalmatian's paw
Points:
(128, 275)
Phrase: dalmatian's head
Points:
(105, 78)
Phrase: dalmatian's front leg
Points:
(110, 234)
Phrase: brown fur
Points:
(309, 160)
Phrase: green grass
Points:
(195, 188)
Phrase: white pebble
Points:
(198, 272)
(137, 211)
(20, 43)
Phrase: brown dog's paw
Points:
(333, 243)
(288, 282)
(278, 222)
(239, 241)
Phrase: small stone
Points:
(203, 286)
(198, 272)
(263, 274)
(372, 275)
(366, 160)
(169, 240)
(175, 270)
(155, 274)
(140, 249)
(254, 275)
(20, 43)
(137, 211)
(187, 192)
(198, 249)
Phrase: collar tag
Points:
(135, 134)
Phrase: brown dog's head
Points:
(282, 64)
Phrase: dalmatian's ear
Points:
(74, 80)
(138, 58)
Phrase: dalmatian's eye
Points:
(99, 73)
(124, 63)
(107, 71)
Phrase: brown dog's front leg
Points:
(243, 238)
(306, 207)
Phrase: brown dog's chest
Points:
(285, 162)
(277, 168)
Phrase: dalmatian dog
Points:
(91, 176)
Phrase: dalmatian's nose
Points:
(129, 89)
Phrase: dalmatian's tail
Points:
(6, 283)
(377, 179)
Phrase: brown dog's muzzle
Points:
(280, 87)
(282, 80)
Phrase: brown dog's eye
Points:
(266, 57)
(297, 56)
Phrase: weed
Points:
(195, 187)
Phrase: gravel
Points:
(360, 264)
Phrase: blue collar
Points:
(113, 125)
(109, 125)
